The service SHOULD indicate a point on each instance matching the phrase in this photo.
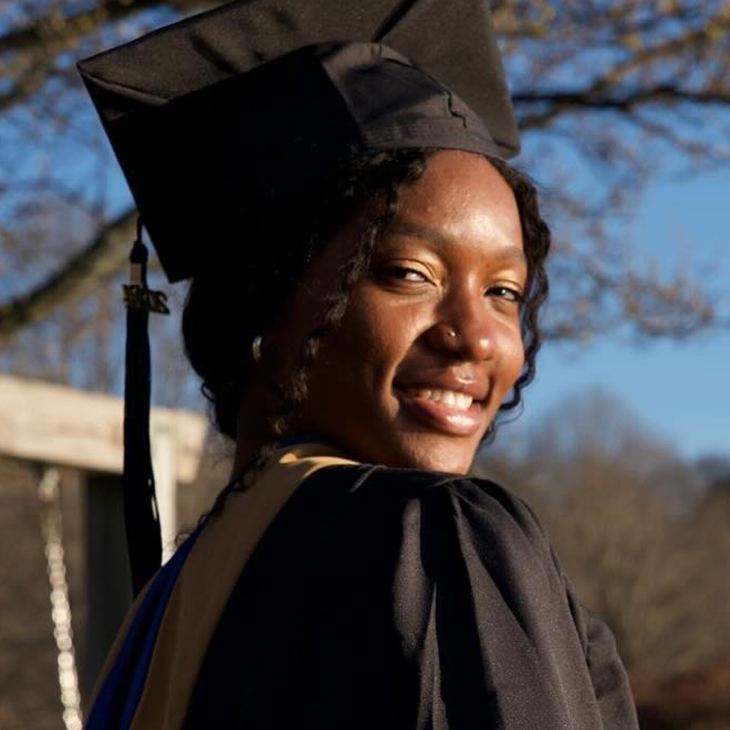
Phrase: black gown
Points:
(391, 598)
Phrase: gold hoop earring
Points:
(256, 348)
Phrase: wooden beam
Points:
(60, 425)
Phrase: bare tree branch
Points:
(594, 98)
(64, 30)
(25, 86)
(104, 257)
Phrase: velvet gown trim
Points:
(150, 673)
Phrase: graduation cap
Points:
(264, 96)
(259, 99)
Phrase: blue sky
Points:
(681, 390)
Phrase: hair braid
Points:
(336, 302)
(295, 391)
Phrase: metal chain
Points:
(52, 527)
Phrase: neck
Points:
(252, 432)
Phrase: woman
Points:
(351, 575)
(453, 226)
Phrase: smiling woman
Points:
(431, 342)
(365, 305)
(437, 294)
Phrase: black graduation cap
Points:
(262, 97)
(255, 101)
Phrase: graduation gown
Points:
(339, 595)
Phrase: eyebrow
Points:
(406, 228)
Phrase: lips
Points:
(450, 412)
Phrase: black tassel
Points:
(141, 519)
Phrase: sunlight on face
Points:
(431, 343)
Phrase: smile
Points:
(460, 401)
(445, 411)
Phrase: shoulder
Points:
(381, 483)
(420, 484)
(437, 504)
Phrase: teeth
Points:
(460, 401)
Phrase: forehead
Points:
(459, 202)
(461, 198)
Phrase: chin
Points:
(435, 454)
(451, 464)
(408, 449)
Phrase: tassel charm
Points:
(136, 294)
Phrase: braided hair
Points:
(257, 292)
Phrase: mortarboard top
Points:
(264, 97)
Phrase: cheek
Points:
(368, 346)
(515, 358)
(511, 359)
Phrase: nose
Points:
(464, 329)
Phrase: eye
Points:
(395, 272)
(403, 272)
(506, 293)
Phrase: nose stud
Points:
(444, 335)
(466, 343)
